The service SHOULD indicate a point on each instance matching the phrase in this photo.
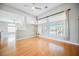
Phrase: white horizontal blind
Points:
(57, 17)
(56, 25)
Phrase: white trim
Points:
(25, 38)
(59, 40)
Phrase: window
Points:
(11, 28)
(11, 32)
(56, 29)
(56, 26)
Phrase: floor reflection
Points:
(55, 47)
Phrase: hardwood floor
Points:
(32, 47)
(42, 46)
(45, 47)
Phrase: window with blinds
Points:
(56, 26)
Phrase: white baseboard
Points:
(26, 38)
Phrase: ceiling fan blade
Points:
(37, 8)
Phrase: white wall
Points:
(24, 30)
(24, 21)
(73, 18)
(4, 31)
(25, 33)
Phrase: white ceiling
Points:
(27, 7)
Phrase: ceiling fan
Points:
(33, 6)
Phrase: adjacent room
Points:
(39, 29)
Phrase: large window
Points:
(56, 26)
(56, 29)
(11, 32)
